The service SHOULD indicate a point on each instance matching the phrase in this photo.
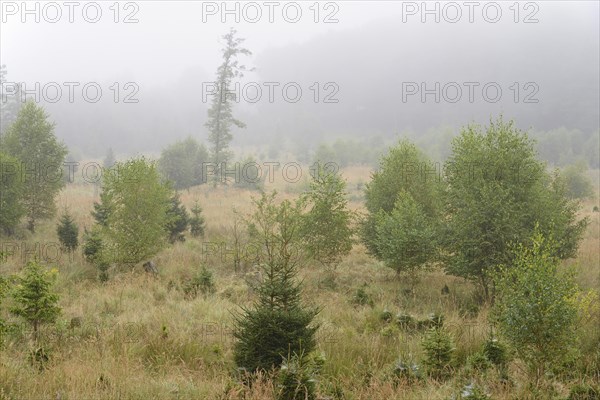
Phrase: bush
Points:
(297, 378)
(496, 352)
(578, 185)
(362, 298)
(472, 392)
(535, 308)
(182, 163)
(203, 283)
(250, 176)
(386, 316)
(103, 271)
(403, 371)
(478, 362)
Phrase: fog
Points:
(370, 64)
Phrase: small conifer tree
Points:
(197, 221)
(278, 325)
(34, 299)
(68, 232)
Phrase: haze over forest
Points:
(368, 55)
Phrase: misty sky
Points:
(369, 53)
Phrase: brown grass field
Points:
(141, 338)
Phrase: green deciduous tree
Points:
(403, 210)
(577, 184)
(184, 163)
(220, 114)
(405, 238)
(277, 325)
(535, 307)
(68, 232)
(496, 193)
(31, 140)
(11, 191)
(327, 224)
(34, 299)
(139, 202)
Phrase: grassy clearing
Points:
(140, 337)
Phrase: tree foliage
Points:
(403, 209)
(11, 191)
(34, 299)
(177, 219)
(405, 238)
(327, 224)
(139, 202)
(68, 232)
(31, 140)
(577, 184)
(535, 307)
(197, 224)
(277, 325)
(497, 191)
(439, 350)
(184, 163)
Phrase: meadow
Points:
(140, 336)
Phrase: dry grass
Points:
(141, 338)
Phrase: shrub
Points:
(362, 298)
(535, 308)
(472, 392)
(478, 362)
(202, 282)
(386, 316)
(103, 271)
(406, 321)
(578, 185)
(296, 378)
(405, 371)
(496, 352)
